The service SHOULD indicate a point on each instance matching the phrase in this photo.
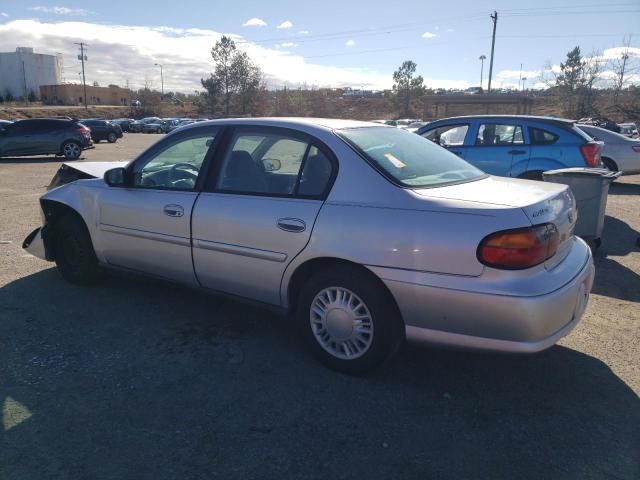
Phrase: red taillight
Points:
(519, 248)
(82, 130)
(591, 154)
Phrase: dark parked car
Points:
(4, 123)
(44, 137)
(123, 123)
(103, 130)
(139, 125)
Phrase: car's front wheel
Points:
(348, 319)
(74, 255)
(71, 150)
(112, 137)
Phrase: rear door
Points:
(22, 138)
(497, 146)
(258, 210)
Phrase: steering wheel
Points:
(182, 167)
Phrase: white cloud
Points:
(350, 43)
(2, 14)
(255, 22)
(303, 32)
(285, 24)
(81, 12)
(287, 45)
(515, 74)
(449, 30)
(429, 35)
(121, 52)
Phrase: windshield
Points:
(409, 159)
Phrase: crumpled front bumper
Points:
(34, 244)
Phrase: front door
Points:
(258, 210)
(147, 225)
(497, 146)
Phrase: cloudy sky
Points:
(331, 43)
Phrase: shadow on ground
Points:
(145, 379)
(612, 278)
(619, 188)
(43, 159)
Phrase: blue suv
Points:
(515, 145)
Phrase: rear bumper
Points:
(496, 322)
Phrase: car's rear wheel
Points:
(71, 150)
(112, 137)
(348, 319)
(74, 255)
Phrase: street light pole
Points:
(482, 59)
(161, 78)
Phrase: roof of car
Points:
(564, 122)
(328, 123)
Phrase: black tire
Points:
(610, 164)
(532, 175)
(71, 150)
(112, 137)
(74, 255)
(387, 331)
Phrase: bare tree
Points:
(620, 68)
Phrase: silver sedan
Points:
(367, 234)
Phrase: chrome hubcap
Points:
(341, 323)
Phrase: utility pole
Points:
(520, 77)
(494, 17)
(161, 78)
(82, 58)
(24, 79)
(482, 58)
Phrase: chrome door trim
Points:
(238, 250)
(158, 237)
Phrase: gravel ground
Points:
(143, 379)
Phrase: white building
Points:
(23, 71)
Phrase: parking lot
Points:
(142, 376)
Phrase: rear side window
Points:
(274, 163)
(448, 135)
(490, 134)
(541, 137)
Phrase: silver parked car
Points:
(369, 234)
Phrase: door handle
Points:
(292, 225)
(517, 152)
(173, 210)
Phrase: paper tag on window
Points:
(396, 163)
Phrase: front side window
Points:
(177, 166)
(448, 135)
(490, 134)
(273, 163)
(409, 159)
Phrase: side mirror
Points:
(115, 177)
(271, 164)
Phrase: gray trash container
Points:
(590, 187)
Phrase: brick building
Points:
(73, 94)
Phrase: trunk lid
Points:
(541, 202)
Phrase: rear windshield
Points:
(409, 159)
